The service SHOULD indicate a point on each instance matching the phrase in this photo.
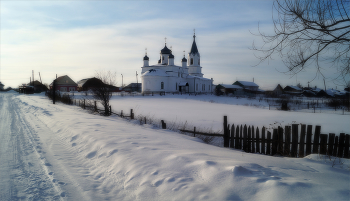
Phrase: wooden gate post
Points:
(225, 132)
(341, 145)
(232, 143)
(346, 146)
(163, 124)
(237, 140)
(287, 131)
(316, 139)
(95, 106)
(280, 141)
(308, 140)
(245, 135)
(294, 152)
(257, 137)
(268, 143)
(330, 144)
(263, 151)
(302, 140)
(253, 140)
(323, 144)
(335, 149)
(274, 141)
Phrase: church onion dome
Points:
(171, 56)
(194, 49)
(145, 58)
(184, 59)
(165, 50)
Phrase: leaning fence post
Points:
(194, 132)
(330, 144)
(308, 140)
(225, 132)
(121, 113)
(131, 114)
(163, 124)
(145, 120)
(110, 110)
(84, 103)
(257, 137)
(95, 107)
(245, 134)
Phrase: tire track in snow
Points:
(24, 171)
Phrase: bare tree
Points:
(310, 33)
(102, 91)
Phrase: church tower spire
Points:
(194, 67)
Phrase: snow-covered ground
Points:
(60, 152)
(206, 112)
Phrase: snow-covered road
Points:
(61, 152)
(24, 171)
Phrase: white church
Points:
(168, 77)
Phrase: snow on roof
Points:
(155, 72)
(227, 86)
(248, 84)
(295, 87)
(201, 78)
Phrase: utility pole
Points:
(122, 80)
(33, 77)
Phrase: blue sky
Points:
(78, 38)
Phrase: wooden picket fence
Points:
(285, 142)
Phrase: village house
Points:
(64, 84)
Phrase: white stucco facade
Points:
(168, 77)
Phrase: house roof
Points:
(227, 86)
(64, 80)
(246, 84)
(294, 87)
(1, 84)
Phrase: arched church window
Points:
(191, 61)
(199, 62)
(162, 85)
(163, 58)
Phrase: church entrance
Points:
(183, 88)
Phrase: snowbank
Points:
(114, 159)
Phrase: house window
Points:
(191, 61)
(162, 85)
(178, 74)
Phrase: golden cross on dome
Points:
(165, 40)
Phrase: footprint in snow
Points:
(50, 173)
(91, 154)
(48, 164)
(74, 144)
(63, 194)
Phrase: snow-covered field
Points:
(60, 152)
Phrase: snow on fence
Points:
(285, 142)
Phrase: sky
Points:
(81, 38)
